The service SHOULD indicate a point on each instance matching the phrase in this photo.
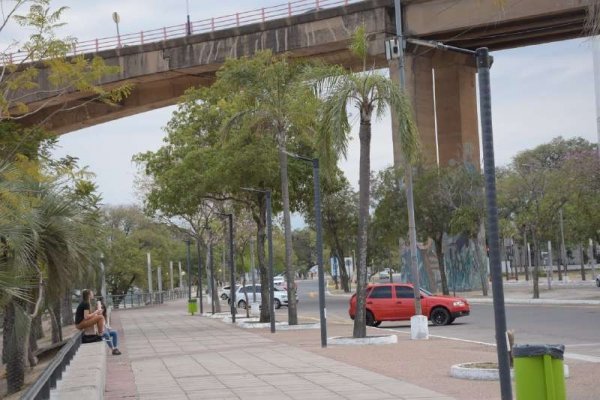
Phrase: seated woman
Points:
(109, 335)
(89, 321)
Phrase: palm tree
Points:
(43, 243)
(371, 94)
(281, 105)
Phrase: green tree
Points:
(371, 93)
(216, 147)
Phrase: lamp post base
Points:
(419, 327)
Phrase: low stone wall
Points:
(84, 377)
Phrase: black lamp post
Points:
(317, 195)
(231, 265)
(188, 242)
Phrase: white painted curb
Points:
(369, 340)
(464, 371)
(260, 325)
(216, 315)
(300, 327)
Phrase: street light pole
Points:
(117, 18)
(199, 291)
(231, 265)
(419, 327)
(317, 199)
(487, 138)
(189, 274)
(188, 24)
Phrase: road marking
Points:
(582, 357)
(572, 356)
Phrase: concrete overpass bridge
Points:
(442, 85)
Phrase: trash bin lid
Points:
(533, 350)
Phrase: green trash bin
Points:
(192, 306)
(539, 372)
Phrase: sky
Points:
(538, 93)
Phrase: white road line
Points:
(572, 356)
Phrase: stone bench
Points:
(84, 376)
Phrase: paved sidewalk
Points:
(177, 356)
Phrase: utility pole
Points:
(418, 323)
(188, 242)
(596, 55)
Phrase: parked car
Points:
(280, 296)
(225, 290)
(279, 280)
(395, 302)
(598, 280)
(385, 274)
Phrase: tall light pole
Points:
(116, 18)
(596, 55)
(418, 323)
(188, 242)
(267, 193)
(199, 291)
(484, 63)
(317, 200)
(188, 24)
(231, 265)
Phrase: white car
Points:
(225, 290)
(385, 274)
(281, 298)
(279, 280)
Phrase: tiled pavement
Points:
(177, 356)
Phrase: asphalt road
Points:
(577, 327)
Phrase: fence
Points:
(53, 372)
(260, 15)
(134, 300)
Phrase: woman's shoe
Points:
(116, 352)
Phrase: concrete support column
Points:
(456, 109)
(419, 87)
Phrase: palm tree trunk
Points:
(56, 321)
(289, 270)
(36, 327)
(440, 256)
(15, 337)
(67, 309)
(360, 329)
(261, 221)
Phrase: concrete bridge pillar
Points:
(442, 88)
(456, 109)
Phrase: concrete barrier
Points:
(85, 376)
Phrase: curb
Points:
(464, 371)
(328, 293)
(299, 327)
(369, 340)
(536, 301)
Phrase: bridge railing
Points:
(264, 14)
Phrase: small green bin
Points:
(539, 372)
(192, 306)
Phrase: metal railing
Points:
(264, 14)
(134, 300)
(53, 372)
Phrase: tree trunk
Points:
(339, 252)
(287, 224)
(360, 328)
(56, 321)
(67, 309)
(439, 253)
(536, 268)
(15, 337)
(36, 327)
(262, 263)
